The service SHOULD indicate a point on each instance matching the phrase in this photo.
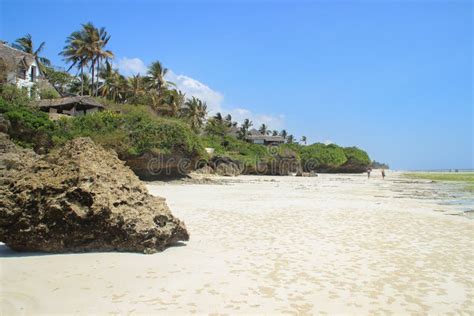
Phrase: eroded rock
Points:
(225, 166)
(83, 198)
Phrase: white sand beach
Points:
(333, 244)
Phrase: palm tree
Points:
(136, 84)
(96, 40)
(244, 128)
(283, 134)
(74, 52)
(218, 117)
(229, 122)
(123, 88)
(303, 139)
(217, 126)
(156, 78)
(25, 44)
(77, 85)
(180, 99)
(87, 47)
(263, 129)
(275, 133)
(195, 112)
(173, 100)
(290, 139)
(110, 81)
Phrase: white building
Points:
(20, 68)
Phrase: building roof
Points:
(67, 102)
(13, 57)
(266, 138)
(254, 131)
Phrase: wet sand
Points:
(331, 244)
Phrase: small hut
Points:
(70, 106)
(265, 139)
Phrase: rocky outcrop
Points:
(82, 198)
(225, 166)
(13, 158)
(4, 124)
(151, 166)
(284, 164)
(205, 170)
(306, 174)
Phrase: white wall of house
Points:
(30, 77)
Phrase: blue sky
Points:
(392, 77)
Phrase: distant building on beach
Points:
(20, 69)
(256, 137)
(70, 106)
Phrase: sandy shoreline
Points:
(329, 244)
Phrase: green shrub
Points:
(48, 94)
(356, 156)
(357, 160)
(29, 127)
(237, 149)
(248, 154)
(132, 134)
(132, 130)
(322, 157)
(11, 94)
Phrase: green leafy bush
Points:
(357, 156)
(237, 149)
(320, 157)
(132, 130)
(48, 94)
(132, 134)
(11, 94)
(28, 126)
(357, 160)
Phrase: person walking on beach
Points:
(368, 173)
(383, 174)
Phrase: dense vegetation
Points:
(379, 165)
(131, 132)
(319, 157)
(148, 114)
(29, 127)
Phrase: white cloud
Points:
(328, 142)
(194, 88)
(131, 66)
(240, 114)
(214, 100)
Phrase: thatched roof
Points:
(254, 131)
(13, 57)
(266, 138)
(85, 102)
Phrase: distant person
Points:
(368, 173)
(383, 173)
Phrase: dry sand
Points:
(335, 244)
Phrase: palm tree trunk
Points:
(93, 74)
(97, 81)
(82, 80)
